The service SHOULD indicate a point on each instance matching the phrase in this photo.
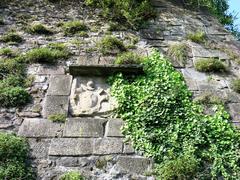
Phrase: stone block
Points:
(80, 127)
(41, 128)
(55, 105)
(113, 128)
(105, 146)
(234, 110)
(71, 147)
(39, 148)
(45, 70)
(60, 85)
(128, 149)
(191, 73)
(138, 165)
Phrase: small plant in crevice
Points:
(197, 37)
(210, 65)
(235, 84)
(38, 28)
(74, 27)
(1, 21)
(209, 99)
(179, 53)
(60, 118)
(72, 175)
(7, 52)
(14, 153)
(128, 58)
(163, 122)
(111, 45)
(11, 37)
(46, 55)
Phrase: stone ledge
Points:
(104, 70)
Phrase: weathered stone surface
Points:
(138, 165)
(113, 128)
(39, 148)
(128, 148)
(55, 105)
(71, 147)
(45, 70)
(234, 109)
(106, 146)
(152, 34)
(83, 127)
(60, 85)
(191, 73)
(40, 128)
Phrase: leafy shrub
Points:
(236, 85)
(61, 118)
(38, 28)
(74, 27)
(12, 37)
(164, 123)
(128, 58)
(45, 55)
(178, 52)
(13, 158)
(111, 45)
(11, 67)
(198, 37)
(132, 13)
(183, 167)
(210, 65)
(12, 81)
(73, 175)
(13, 97)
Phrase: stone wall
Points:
(94, 144)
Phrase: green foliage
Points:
(132, 13)
(46, 55)
(13, 158)
(61, 118)
(128, 58)
(164, 123)
(12, 37)
(38, 28)
(74, 27)
(1, 21)
(198, 37)
(178, 52)
(210, 65)
(8, 52)
(209, 98)
(13, 97)
(236, 85)
(111, 45)
(11, 67)
(73, 175)
(181, 168)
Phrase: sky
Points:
(235, 6)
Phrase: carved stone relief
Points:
(91, 97)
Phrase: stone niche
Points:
(90, 96)
(90, 93)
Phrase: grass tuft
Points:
(210, 65)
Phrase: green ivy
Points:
(162, 121)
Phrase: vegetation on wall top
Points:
(162, 121)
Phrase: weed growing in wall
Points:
(163, 122)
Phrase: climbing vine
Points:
(163, 122)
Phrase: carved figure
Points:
(87, 99)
